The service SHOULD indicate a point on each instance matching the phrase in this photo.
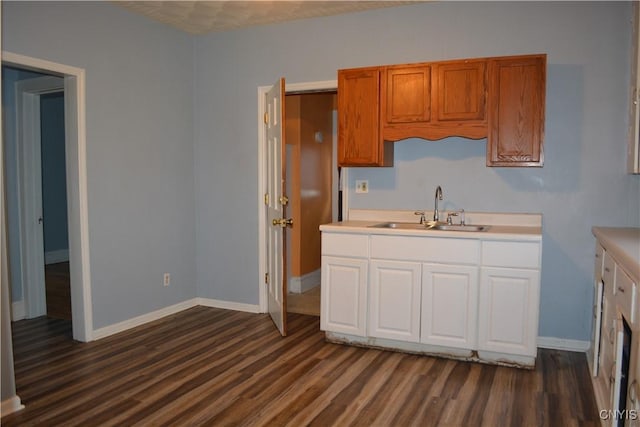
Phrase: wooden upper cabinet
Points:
(359, 141)
(516, 111)
(406, 97)
(460, 90)
(434, 100)
(501, 99)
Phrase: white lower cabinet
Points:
(508, 310)
(435, 295)
(394, 300)
(343, 300)
(449, 305)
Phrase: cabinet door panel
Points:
(343, 297)
(359, 142)
(508, 310)
(407, 95)
(449, 305)
(516, 111)
(395, 300)
(461, 91)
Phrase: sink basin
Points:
(430, 225)
(458, 227)
(400, 225)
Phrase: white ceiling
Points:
(201, 17)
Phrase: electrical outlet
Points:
(167, 279)
(362, 186)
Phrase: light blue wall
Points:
(9, 77)
(139, 93)
(54, 190)
(582, 183)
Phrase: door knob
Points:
(282, 222)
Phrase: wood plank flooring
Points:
(58, 290)
(207, 366)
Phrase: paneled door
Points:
(275, 201)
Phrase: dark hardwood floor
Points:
(207, 366)
(58, 290)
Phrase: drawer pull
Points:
(633, 391)
(611, 335)
(621, 289)
(607, 270)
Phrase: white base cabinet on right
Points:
(508, 310)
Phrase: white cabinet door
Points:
(343, 303)
(508, 310)
(449, 305)
(394, 308)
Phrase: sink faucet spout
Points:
(438, 196)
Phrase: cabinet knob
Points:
(621, 289)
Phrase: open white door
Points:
(275, 201)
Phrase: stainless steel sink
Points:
(458, 227)
(430, 225)
(400, 225)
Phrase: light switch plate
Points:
(362, 186)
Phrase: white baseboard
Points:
(11, 405)
(167, 311)
(17, 310)
(228, 305)
(298, 285)
(141, 320)
(563, 344)
(53, 257)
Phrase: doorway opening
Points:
(61, 90)
(339, 210)
(311, 185)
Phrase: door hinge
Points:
(266, 278)
(266, 118)
(266, 198)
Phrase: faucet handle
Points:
(449, 215)
(462, 220)
(422, 218)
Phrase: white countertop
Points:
(624, 245)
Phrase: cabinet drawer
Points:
(429, 249)
(608, 269)
(597, 263)
(625, 295)
(511, 254)
(342, 244)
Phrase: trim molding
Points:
(77, 191)
(145, 318)
(563, 344)
(228, 305)
(54, 257)
(304, 283)
(17, 310)
(11, 405)
(172, 309)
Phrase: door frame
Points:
(29, 182)
(77, 193)
(319, 86)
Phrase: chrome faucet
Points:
(438, 196)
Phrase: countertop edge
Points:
(621, 242)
